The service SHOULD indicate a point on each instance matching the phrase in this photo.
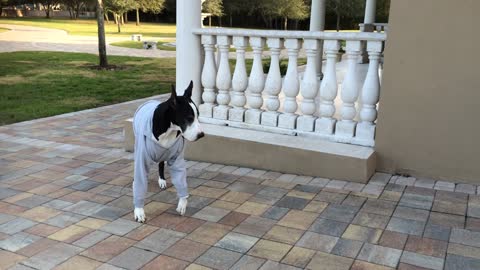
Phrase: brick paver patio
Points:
(66, 204)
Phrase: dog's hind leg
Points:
(161, 173)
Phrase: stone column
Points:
(368, 26)
(189, 53)
(317, 23)
(370, 8)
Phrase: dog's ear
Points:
(188, 91)
(173, 97)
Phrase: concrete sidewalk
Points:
(28, 38)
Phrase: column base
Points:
(236, 114)
(345, 129)
(253, 117)
(305, 123)
(325, 125)
(287, 121)
(220, 112)
(269, 119)
(206, 110)
(365, 131)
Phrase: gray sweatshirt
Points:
(149, 152)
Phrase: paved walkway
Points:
(28, 38)
(65, 203)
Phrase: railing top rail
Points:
(291, 34)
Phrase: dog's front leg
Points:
(162, 183)
(182, 205)
(139, 214)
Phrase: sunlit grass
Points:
(89, 27)
(41, 84)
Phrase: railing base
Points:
(283, 153)
(362, 141)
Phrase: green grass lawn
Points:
(89, 27)
(139, 45)
(41, 84)
(3, 29)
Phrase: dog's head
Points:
(186, 114)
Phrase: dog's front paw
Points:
(182, 206)
(162, 183)
(139, 214)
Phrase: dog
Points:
(160, 131)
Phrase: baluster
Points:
(209, 74)
(290, 86)
(309, 88)
(224, 79)
(256, 82)
(328, 90)
(370, 94)
(346, 126)
(273, 84)
(239, 81)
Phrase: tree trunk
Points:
(70, 11)
(47, 12)
(285, 24)
(220, 21)
(231, 21)
(106, 18)
(210, 21)
(102, 48)
(338, 22)
(77, 11)
(138, 17)
(125, 15)
(120, 19)
(115, 18)
(118, 23)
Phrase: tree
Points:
(118, 8)
(262, 8)
(74, 7)
(154, 6)
(48, 6)
(102, 48)
(291, 9)
(214, 7)
(234, 7)
(345, 9)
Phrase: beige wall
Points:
(429, 117)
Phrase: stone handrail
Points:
(292, 34)
(379, 27)
(291, 104)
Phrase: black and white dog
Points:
(160, 129)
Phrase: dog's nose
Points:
(200, 135)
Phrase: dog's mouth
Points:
(194, 138)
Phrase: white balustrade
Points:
(370, 94)
(309, 87)
(239, 81)
(209, 75)
(256, 82)
(273, 84)
(248, 94)
(346, 126)
(290, 86)
(328, 90)
(224, 79)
